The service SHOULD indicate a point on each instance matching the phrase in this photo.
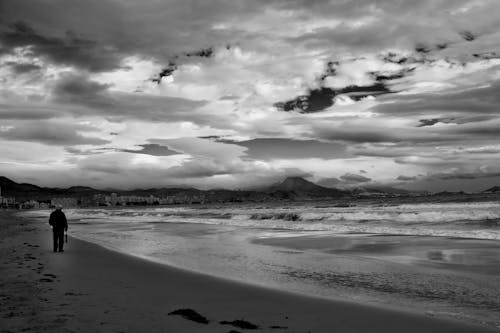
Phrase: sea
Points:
(438, 259)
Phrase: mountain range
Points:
(291, 188)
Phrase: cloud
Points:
(462, 102)
(390, 87)
(406, 178)
(353, 178)
(153, 150)
(203, 148)
(23, 68)
(8, 111)
(80, 90)
(77, 91)
(69, 50)
(277, 148)
(51, 133)
(463, 175)
(322, 98)
(329, 182)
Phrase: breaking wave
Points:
(470, 220)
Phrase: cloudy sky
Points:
(239, 93)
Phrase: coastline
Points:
(91, 288)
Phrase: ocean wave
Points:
(276, 216)
(481, 220)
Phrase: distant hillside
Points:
(300, 188)
(23, 191)
(290, 189)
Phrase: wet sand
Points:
(444, 277)
(461, 254)
(91, 289)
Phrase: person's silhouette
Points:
(59, 224)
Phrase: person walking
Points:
(59, 224)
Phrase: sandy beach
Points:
(92, 289)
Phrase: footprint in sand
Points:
(46, 280)
(277, 327)
(69, 293)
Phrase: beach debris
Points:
(190, 314)
(240, 324)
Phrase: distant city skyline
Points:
(218, 94)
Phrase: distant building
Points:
(30, 204)
(65, 202)
(7, 202)
(113, 199)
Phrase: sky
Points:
(242, 93)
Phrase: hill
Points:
(24, 191)
(297, 187)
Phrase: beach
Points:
(90, 288)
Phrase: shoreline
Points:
(93, 288)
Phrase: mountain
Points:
(10, 188)
(23, 191)
(299, 187)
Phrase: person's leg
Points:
(54, 235)
(61, 240)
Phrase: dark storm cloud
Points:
(329, 182)
(276, 148)
(479, 101)
(457, 120)
(331, 70)
(79, 89)
(88, 152)
(22, 68)
(140, 27)
(322, 98)
(362, 133)
(467, 35)
(76, 90)
(203, 53)
(69, 50)
(108, 30)
(463, 175)
(167, 71)
(383, 78)
(153, 150)
(433, 121)
(9, 111)
(51, 133)
(486, 55)
(406, 178)
(354, 178)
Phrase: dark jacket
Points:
(58, 220)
